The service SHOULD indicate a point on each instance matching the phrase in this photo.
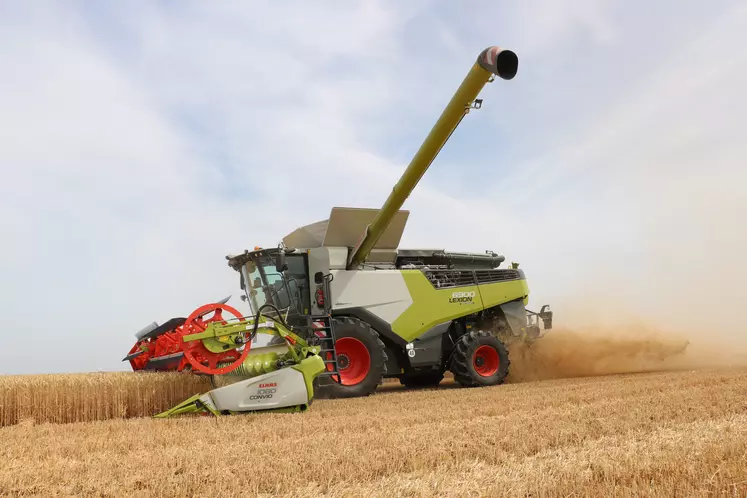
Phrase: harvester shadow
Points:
(448, 384)
(393, 386)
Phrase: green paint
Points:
(497, 293)
(458, 107)
(432, 306)
(219, 337)
(192, 405)
(310, 368)
(257, 364)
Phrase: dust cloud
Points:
(645, 266)
(581, 353)
(674, 302)
(596, 351)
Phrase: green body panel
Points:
(310, 368)
(431, 306)
(497, 293)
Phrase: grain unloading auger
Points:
(373, 310)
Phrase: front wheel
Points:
(479, 359)
(361, 361)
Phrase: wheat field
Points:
(677, 433)
(86, 397)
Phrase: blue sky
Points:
(141, 143)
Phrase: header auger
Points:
(340, 296)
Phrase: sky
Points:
(142, 142)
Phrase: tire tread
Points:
(461, 358)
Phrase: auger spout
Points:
(493, 61)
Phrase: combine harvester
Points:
(345, 308)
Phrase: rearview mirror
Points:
(280, 264)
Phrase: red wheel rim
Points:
(353, 360)
(486, 361)
(197, 354)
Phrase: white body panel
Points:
(279, 389)
(382, 292)
(338, 257)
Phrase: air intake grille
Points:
(489, 276)
(443, 279)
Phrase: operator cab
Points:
(278, 277)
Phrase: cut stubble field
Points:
(581, 415)
(680, 433)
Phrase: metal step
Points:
(327, 336)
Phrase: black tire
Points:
(466, 366)
(353, 328)
(427, 378)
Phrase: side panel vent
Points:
(444, 279)
(490, 276)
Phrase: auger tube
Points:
(491, 61)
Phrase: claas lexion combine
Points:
(342, 307)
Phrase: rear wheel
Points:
(361, 361)
(479, 359)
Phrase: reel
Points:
(205, 355)
(164, 348)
